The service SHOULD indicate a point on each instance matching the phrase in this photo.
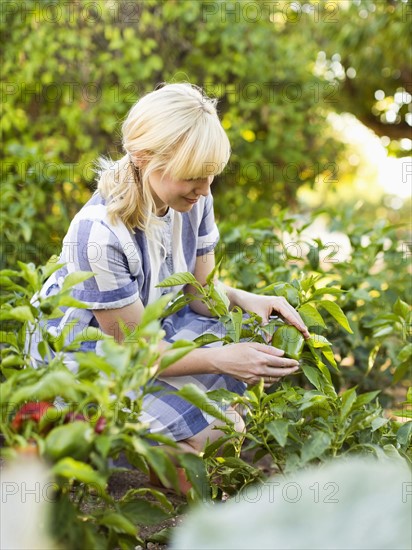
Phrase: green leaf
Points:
(328, 353)
(333, 309)
(118, 523)
(328, 290)
(143, 512)
(287, 291)
(401, 371)
(161, 537)
(161, 497)
(89, 334)
(365, 398)
(401, 308)
(405, 353)
(73, 279)
(404, 434)
(162, 466)
(195, 469)
(50, 385)
(74, 469)
(178, 303)
(385, 331)
(315, 446)
(50, 267)
(7, 283)
(154, 311)
(8, 338)
(207, 338)
(378, 423)
(236, 316)
(372, 356)
(20, 313)
(69, 301)
(220, 301)
(313, 375)
(318, 341)
(348, 399)
(175, 352)
(69, 440)
(197, 397)
(279, 429)
(311, 316)
(89, 360)
(179, 279)
(29, 273)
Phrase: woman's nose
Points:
(203, 186)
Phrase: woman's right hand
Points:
(250, 361)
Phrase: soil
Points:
(129, 478)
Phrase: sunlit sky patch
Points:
(393, 175)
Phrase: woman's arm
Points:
(248, 362)
(262, 305)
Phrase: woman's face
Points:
(180, 195)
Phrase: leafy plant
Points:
(295, 424)
(79, 421)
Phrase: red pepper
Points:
(100, 425)
(73, 417)
(30, 411)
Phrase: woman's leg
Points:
(197, 443)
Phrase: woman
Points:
(152, 216)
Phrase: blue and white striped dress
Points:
(127, 265)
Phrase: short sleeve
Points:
(208, 234)
(91, 245)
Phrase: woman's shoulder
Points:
(94, 209)
(93, 220)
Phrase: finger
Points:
(280, 372)
(293, 318)
(283, 362)
(270, 350)
(271, 379)
(290, 314)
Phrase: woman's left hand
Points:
(264, 306)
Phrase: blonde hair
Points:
(174, 129)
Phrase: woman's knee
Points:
(210, 434)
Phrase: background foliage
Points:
(72, 70)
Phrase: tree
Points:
(72, 70)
